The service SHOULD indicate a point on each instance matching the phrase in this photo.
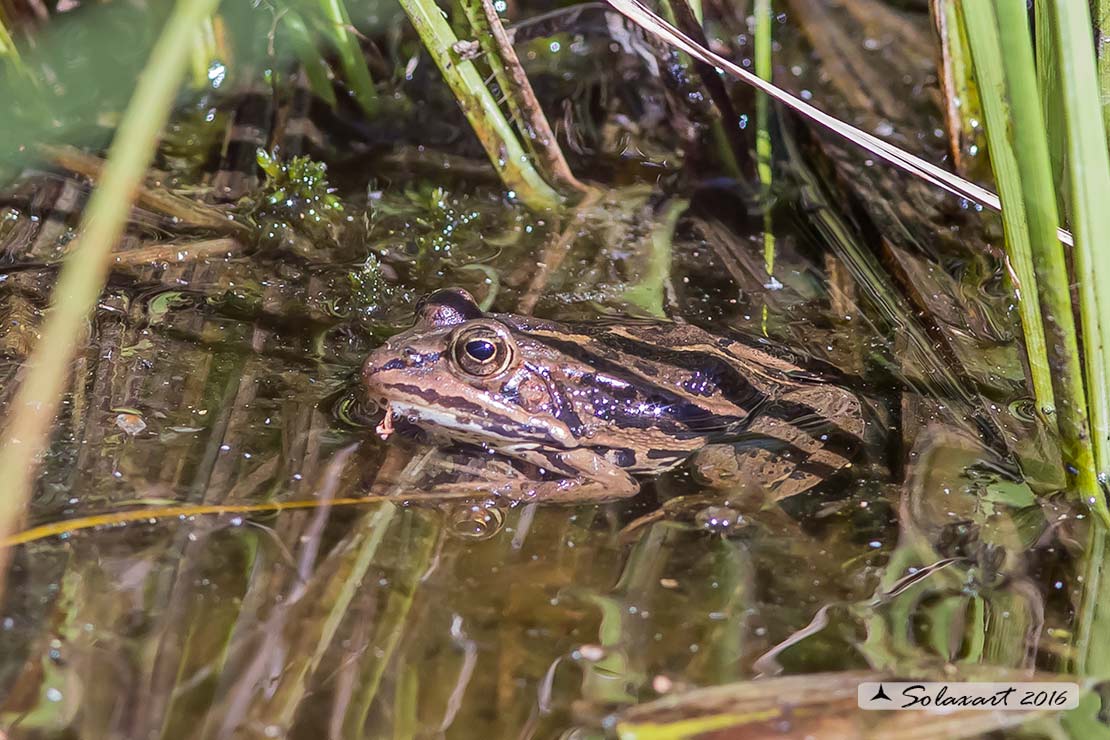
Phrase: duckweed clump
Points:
(296, 209)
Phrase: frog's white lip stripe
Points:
(432, 418)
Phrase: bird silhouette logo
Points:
(881, 694)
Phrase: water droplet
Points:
(720, 519)
(217, 73)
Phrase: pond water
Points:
(219, 375)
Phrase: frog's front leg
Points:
(577, 475)
(571, 476)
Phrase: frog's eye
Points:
(482, 351)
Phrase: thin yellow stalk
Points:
(82, 278)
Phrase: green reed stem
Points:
(1030, 142)
(203, 54)
(1092, 649)
(1020, 215)
(481, 109)
(763, 151)
(351, 58)
(962, 108)
(1031, 145)
(83, 275)
(1089, 191)
(1089, 196)
(406, 705)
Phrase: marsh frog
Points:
(583, 409)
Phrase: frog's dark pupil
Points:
(480, 350)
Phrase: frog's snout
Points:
(375, 375)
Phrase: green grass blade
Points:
(989, 70)
(315, 70)
(8, 49)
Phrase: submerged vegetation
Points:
(203, 538)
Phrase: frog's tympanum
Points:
(585, 407)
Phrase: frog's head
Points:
(463, 374)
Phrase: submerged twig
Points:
(177, 252)
(189, 212)
(82, 278)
